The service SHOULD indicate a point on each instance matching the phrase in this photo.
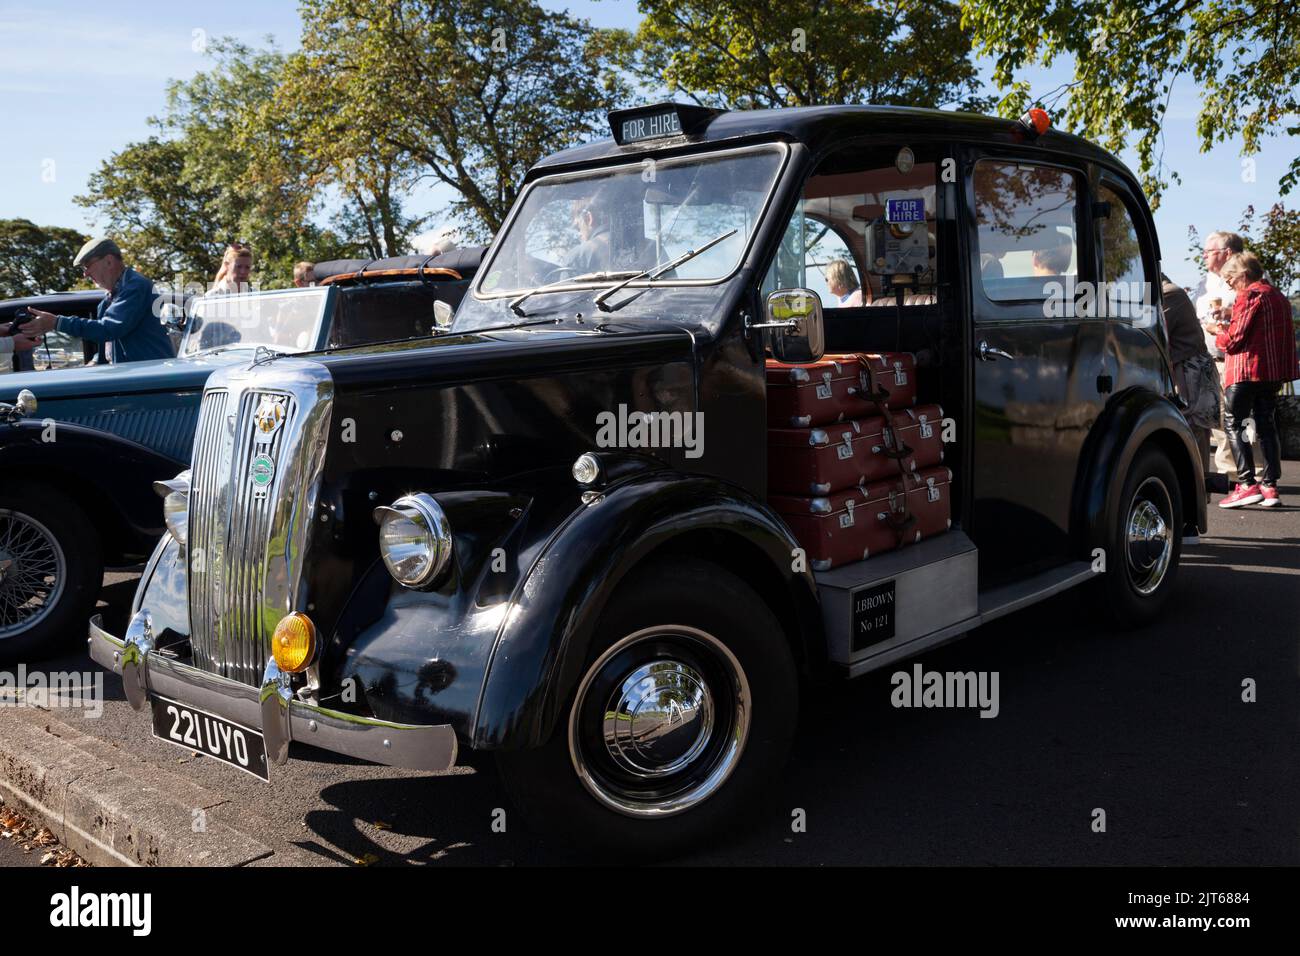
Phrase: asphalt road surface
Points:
(1149, 727)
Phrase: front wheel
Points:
(686, 709)
(1144, 543)
(51, 572)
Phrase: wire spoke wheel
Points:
(33, 572)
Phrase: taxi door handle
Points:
(990, 354)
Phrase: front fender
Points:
(110, 477)
(164, 591)
(544, 642)
(1132, 419)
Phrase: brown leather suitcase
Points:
(845, 526)
(929, 501)
(816, 393)
(921, 430)
(894, 373)
(839, 387)
(826, 458)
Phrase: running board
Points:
(1004, 600)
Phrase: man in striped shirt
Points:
(1261, 356)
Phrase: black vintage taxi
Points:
(546, 530)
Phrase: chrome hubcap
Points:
(32, 572)
(1149, 539)
(660, 721)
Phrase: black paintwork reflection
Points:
(165, 594)
(1032, 419)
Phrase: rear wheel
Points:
(1144, 545)
(51, 571)
(686, 708)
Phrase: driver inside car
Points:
(592, 222)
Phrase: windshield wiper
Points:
(519, 300)
(503, 328)
(656, 271)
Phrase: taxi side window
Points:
(813, 255)
(1128, 287)
(860, 223)
(1028, 235)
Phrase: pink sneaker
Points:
(1243, 495)
(1270, 496)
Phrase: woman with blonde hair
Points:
(843, 284)
(1260, 347)
(236, 267)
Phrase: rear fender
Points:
(1133, 419)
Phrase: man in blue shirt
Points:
(126, 318)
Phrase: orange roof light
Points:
(1035, 122)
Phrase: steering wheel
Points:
(555, 274)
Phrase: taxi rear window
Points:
(1028, 235)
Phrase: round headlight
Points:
(414, 540)
(293, 642)
(176, 514)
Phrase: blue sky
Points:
(79, 80)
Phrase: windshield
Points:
(596, 226)
(286, 320)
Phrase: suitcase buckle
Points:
(927, 430)
(846, 519)
(900, 376)
(845, 451)
(931, 492)
(824, 389)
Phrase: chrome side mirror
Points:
(795, 318)
(26, 404)
(442, 315)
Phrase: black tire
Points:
(1144, 542)
(48, 593)
(657, 618)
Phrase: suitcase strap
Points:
(899, 453)
(902, 520)
(880, 396)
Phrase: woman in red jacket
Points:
(1261, 356)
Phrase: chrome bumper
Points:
(272, 710)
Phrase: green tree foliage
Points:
(294, 135)
(1274, 237)
(36, 259)
(1243, 55)
(470, 92)
(146, 202)
(174, 200)
(742, 54)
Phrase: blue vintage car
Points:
(77, 464)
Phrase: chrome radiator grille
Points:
(247, 528)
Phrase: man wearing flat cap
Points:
(126, 318)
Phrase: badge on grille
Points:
(267, 419)
(261, 470)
